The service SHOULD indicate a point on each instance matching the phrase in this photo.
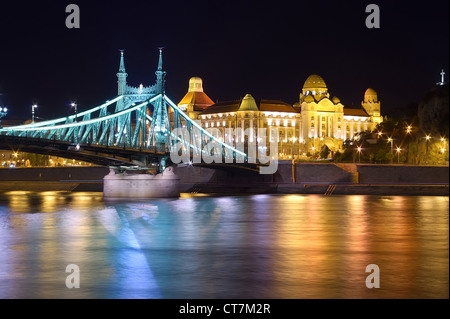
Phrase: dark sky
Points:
(265, 48)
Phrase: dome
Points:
(370, 92)
(248, 104)
(195, 84)
(370, 95)
(314, 81)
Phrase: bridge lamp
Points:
(74, 105)
(32, 112)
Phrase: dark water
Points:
(262, 246)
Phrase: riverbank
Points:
(226, 189)
(304, 178)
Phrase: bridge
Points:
(137, 129)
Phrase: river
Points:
(259, 246)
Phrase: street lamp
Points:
(74, 105)
(32, 112)
(293, 139)
(427, 138)
(398, 154)
(359, 153)
(443, 146)
(391, 140)
(408, 129)
(3, 112)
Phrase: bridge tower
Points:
(160, 75)
(121, 81)
(160, 114)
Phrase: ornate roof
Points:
(248, 104)
(314, 81)
(355, 112)
(197, 99)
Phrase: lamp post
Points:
(293, 139)
(398, 154)
(427, 138)
(391, 140)
(75, 131)
(359, 153)
(74, 105)
(3, 112)
(32, 112)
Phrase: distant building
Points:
(303, 127)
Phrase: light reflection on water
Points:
(261, 246)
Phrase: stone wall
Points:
(95, 173)
(399, 174)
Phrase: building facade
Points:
(303, 128)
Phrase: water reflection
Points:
(261, 246)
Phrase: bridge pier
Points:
(124, 185)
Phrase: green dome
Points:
(248, 104)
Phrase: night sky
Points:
(265, 48)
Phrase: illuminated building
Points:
(314, 121)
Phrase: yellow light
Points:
(428, 137)
(442, 139)
(15, 154)
(359, 149)
(442, 150)
(398, 149)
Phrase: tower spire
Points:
(160, 74)
(122, 63)
(160, 62)
(121, 76)
(442, 78)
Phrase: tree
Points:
(324, 151)
(381, 156)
